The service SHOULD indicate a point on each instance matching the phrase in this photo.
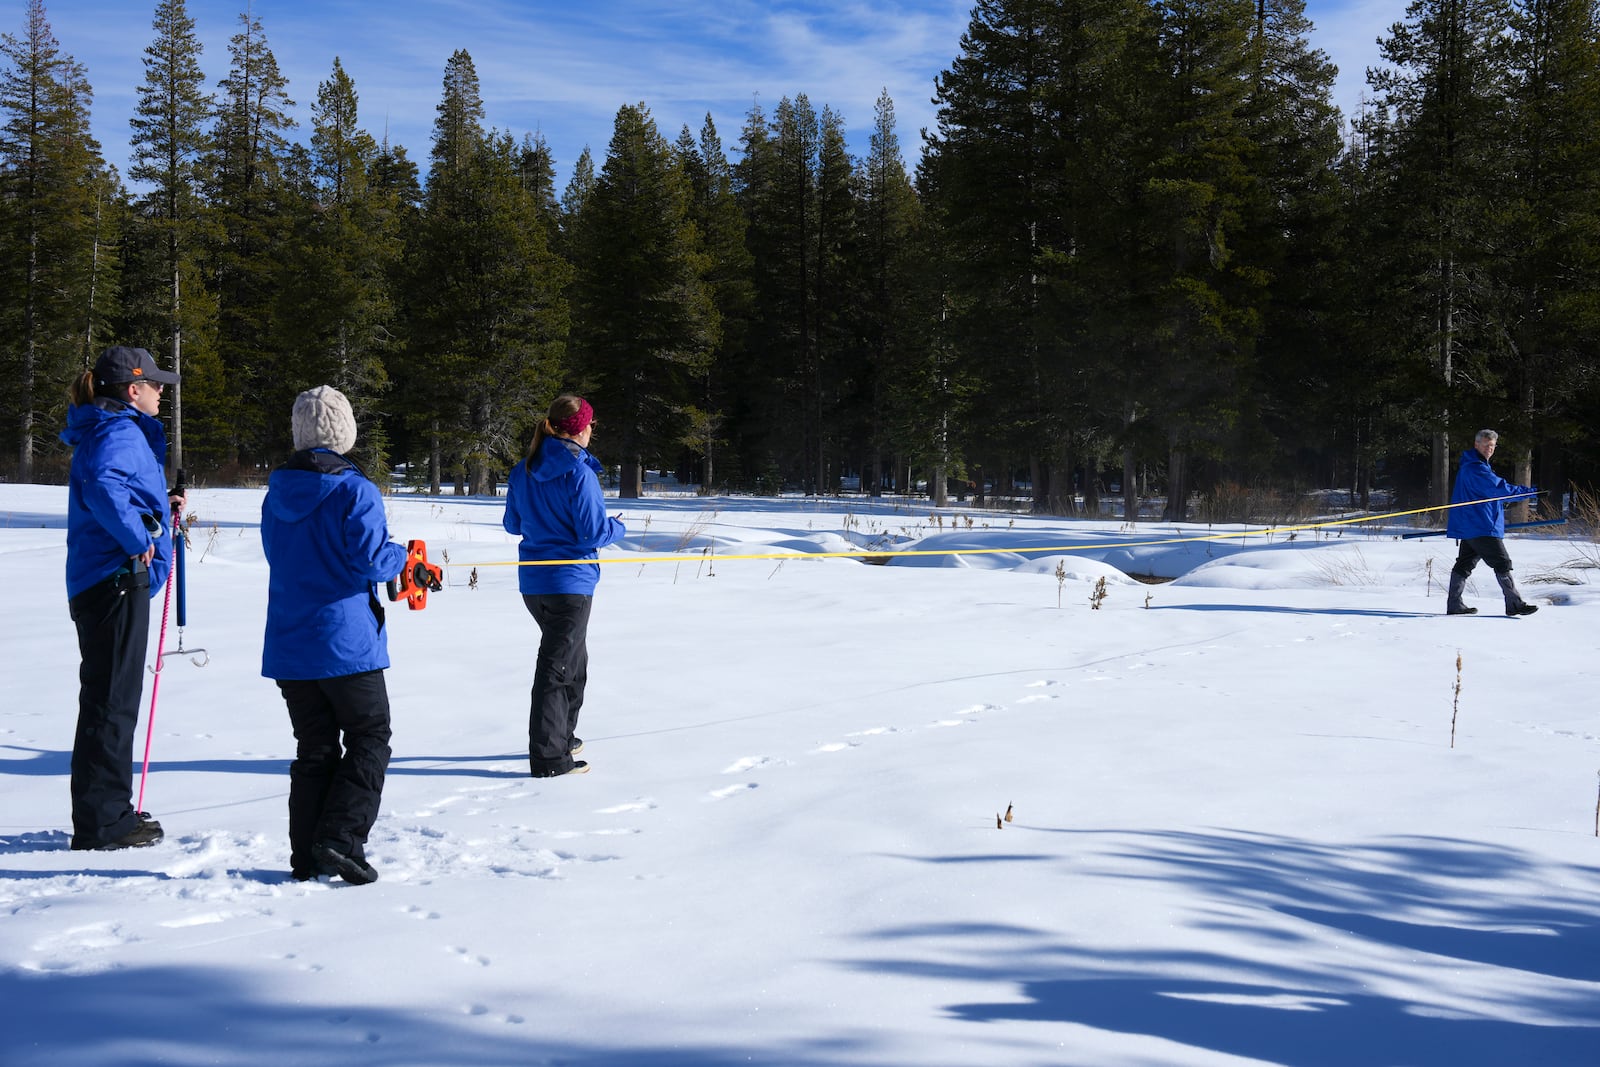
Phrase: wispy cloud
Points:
(564, 67)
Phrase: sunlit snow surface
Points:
(1240, 833)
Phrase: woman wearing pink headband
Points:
(554, 503)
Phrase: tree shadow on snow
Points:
(142, 1017)
(1411, 919)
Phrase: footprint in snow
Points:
(874, 732)
(1034, 698)
(730, 790)
(748, 763)
(642, 804)
(837, 746)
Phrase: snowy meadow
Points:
(1242, 831)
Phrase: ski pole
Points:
(155, 688)
(1509, 526)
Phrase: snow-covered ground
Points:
(1240, 835)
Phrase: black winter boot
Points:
(1453, 605)
(1515, 605)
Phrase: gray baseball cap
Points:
(119, 364)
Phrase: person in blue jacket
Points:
(119, 552)
(327, 547)
(554, 503)
(1480, 526)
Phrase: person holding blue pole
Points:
(119, 551)
(1478, 522)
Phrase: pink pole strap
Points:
(155, 688)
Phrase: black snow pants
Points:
(113, 621)
(559, 675)
(334, 795)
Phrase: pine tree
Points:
(1445, 87)
(251, 210)
(837, 410)
(1015, 130)
(336, 309)
(721, 226)
(169, 137)
(55, 192)
(1291, 226)
(1544, 228)
(487, 296)
(644, 321)
(905, 387)
(1204, 296)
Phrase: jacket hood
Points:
(89, 420)
(559, 457)
(84, 420)
(299, 486)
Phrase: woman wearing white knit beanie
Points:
(327, 547)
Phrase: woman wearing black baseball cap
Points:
(119, 551)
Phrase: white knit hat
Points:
(323, 419)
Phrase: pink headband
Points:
(574, 424)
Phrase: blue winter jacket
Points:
(117, 483)
(327, 545)
(560, 513)
(1476, 480)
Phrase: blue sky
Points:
(564, 67)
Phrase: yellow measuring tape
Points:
(708, 553)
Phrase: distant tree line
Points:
(1140, 253)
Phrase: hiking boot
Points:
(1461, 611)
(147, 833)
(578, 767)
(1522, 609)
(331, 861)
(577, 746)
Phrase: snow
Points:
(1241, 833)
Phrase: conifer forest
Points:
(1140, 253)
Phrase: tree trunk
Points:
(632, 485)
(1522, 511)
(1177, 485)
(1130, 485)
(435, 460)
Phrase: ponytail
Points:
(540, 432)
(81, 390)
